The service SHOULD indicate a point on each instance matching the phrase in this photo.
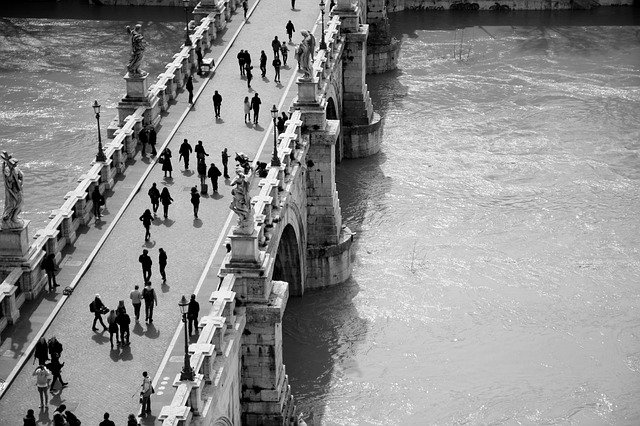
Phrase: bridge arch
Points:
(288, 263)
(223, 421)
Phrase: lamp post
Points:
(275, 161)
(185, 3)
(100, 155)
(323, 45)
(187, 371)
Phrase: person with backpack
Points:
(43, 379)
(98, 309)
(154, 196)
(150, 298)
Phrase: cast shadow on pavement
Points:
(197, 223)
(168, 222)
(137, 329)
(152, 332)
(100, 338)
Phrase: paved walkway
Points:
(101, 379)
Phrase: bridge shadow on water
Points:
(322, 330)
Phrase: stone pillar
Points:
(266, 396)
(362, 127)
(15, 252)
(382, 49)
(137, 96)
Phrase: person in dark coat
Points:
(49, 266)
(143, 137)
(217, 102)
(255, 106)
(154, 196)
(189, 87)
(98, 310)
(150, 298)
(72, 419)
(56, 368)
(199, 150)
(162, 263)
(106, 421)
(146, 262)
(225, 163)
(192, 314)
(185, 150)
(276, 66)
(276, 45)
(290, 28)
(263, 63)
(55, 347)
(166, 200)
(98, 201)
(123, 320)
(132, 420)
(245, 7)
(166, 162)
(195, 200)
(29, 419)
(240, 57)
(113, 327)
(285, 53)
(41, 352)
(247, 70)
(247, 58)
(152, 140)
(213, 174)
(199, 57)
(146, 219)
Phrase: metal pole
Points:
(275, 161)
(323, 45)
(187, 371)
(100, 155)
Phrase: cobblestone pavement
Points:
(101, 379)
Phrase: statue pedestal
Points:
(307, 91)
(14, 242)
(136, 87)
(244, 247)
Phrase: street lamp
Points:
(275, 161)
(100, 155)
(187, 371)
(185, 3)
(323, 45)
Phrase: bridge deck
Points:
(104, 380)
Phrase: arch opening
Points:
(332, 114)
(287, 266)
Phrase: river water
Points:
(497, 262)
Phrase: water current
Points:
(497, 258)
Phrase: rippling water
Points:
(497, 264)
(51, 71)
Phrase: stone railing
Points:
(324, 60)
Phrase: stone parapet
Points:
(362, 140)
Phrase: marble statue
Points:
(241, 203)
(138, 45)
(13, 179)
(304, 53)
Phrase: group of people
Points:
(117, 319)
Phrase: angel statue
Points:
(304, 53)
(13, 179)
(241, 203)
(138, 45)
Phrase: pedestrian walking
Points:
(150, 298)
(132, 420)
(166, 200)
(41, 351)
(55, 347)
(146, 389)
(245, 7)
(280, 125)
(202, 174)
(275, 45)
(199, 150)
(55, 367)
(192, 314)
(225, 162)
(247, 109)
(43, 379)
(276, 66)
(152, 140)
(263, 63)
(113, 327)
(293, 4)
(247, 58)
(136, 301)
(285, 53)
(217, 101)
(106, 421)
(240, 57)
(123, 320)
(255, 106)
(195, 200)
(121, 308)
(146, 262)
(29, 419)
(98, 309)
(162, 263)
(199, 57)
(189, 87)
(249, 74)
(289, 27)
(143, 137)
(213, 174)
(166, 162)
(185, 150)
(154, 196)
(146, 219)
(98, 202)
(50, 268)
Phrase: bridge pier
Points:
(362, 127)
(382, 49)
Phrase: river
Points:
(497, 256)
